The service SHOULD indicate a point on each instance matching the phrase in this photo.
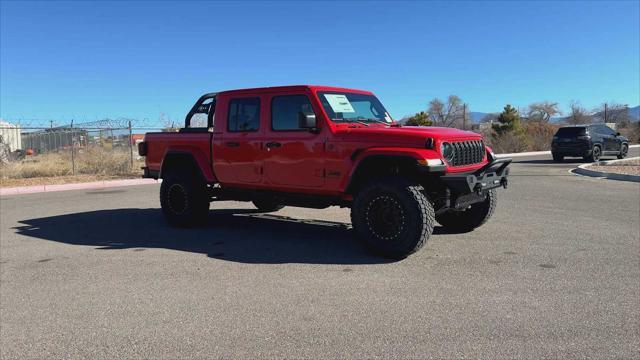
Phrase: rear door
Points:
(239, 153)
(294, 157)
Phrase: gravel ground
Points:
(627, 167)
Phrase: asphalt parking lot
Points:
(98, 274)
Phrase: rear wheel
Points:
(596, 152)
(624, 150)
(558, 157)
(184, 201)
(470, 218)
(392, 217)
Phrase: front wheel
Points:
(624, 150)
(267, 205)
(392, 217)
(470, 218)
(558, 157)
(184, 201)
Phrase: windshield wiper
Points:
(379, 121)
(352, 121)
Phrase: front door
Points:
(609, 138)
(294, 157)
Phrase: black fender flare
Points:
(183, 159)
(367, 163)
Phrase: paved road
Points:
(97, 274)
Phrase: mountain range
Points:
(634, 115)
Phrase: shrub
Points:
(631, 132)
(509, 142)
(539, 135)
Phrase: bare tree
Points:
(611, 112)
(578, 114)
(167, 124)
(450, 114)
(543, 111)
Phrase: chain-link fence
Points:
(101, 148)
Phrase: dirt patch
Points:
(626, 167)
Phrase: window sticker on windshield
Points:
(339, 103)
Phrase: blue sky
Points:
(90, 60)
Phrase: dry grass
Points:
(90, 164)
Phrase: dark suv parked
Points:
(588, 141)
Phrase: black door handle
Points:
(232, 144)
(271, 145)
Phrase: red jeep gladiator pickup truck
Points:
(318, 146)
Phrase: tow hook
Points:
(504, 182)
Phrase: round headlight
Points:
(447, 151)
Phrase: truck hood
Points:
(413, 136)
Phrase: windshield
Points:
(351, 107)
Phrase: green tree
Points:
(419, 119)
(508, 120)
(509, 133)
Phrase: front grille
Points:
(467, 152)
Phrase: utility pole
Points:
(51, 121)
(131, 145)
(464, 116)
(73, 160)
(605, 113)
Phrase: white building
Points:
(10, 135)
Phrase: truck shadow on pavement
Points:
(239, 235)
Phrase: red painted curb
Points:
(77, 186)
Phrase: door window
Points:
(244, 115)
(286, 110)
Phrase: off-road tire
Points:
(184, 200)
(474, 216)
(558, 157)
(267, 205)
(595, 155)
(408, 217)
(624, 150)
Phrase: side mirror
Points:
(617, 134)
(307, 121)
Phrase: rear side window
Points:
(605, 130)
(244, 115)
(569, 132)
(286, 110)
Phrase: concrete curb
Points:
(77, 186)
(582, 170)
(533, 153)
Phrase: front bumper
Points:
(490, 176)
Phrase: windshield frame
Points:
(362, 120)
